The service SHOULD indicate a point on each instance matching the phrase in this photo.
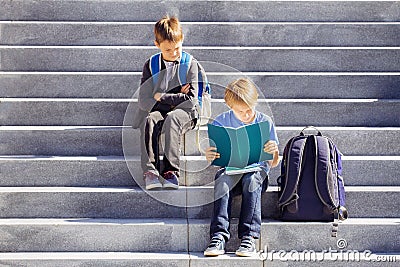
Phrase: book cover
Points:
(240, 147)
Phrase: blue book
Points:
(240, 147)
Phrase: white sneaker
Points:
(216, 246)
(247, 247)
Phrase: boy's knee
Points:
(225, 182)
(154, 117)
(253, 182)
(172, 118)
(177, 118)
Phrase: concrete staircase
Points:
(69, 167)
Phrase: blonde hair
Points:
(168, 28)
(241, 91)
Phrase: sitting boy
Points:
(241, 97)
(166, 106)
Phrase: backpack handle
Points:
(308, 127)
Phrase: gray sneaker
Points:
(216, 246)
(247, 247)
(151, 181)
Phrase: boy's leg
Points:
(253, 185)
(176, 124)
(149, 142)
(223, 194)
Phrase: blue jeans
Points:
(250, 186)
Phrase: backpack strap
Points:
(293, 169)
(328, 163)
(302, 133)
(204, 86)
(325, 172)
(184, 64)
(155, 66)
(342, 211)
(342, 200)
(183, 68)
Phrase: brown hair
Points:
(168, 28)
(241, 91)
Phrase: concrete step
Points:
(196, 259)
(107, 140)
(274, 260)
(132, 58)
(114, 171)
(94, 235)
(130, 10)
(103, 171)
(357, 170)
(272, 85)
(358, 234)
(94, 202)
(63, 141)
(217, 33)
(351, 141)
(104, 259)
(115, 112)
(375, 235)
(361, 202)
(192, 202)
(179, 236)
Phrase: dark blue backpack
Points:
(311, 186)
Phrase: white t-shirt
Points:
(170, 72)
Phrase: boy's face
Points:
(243, 112)
(170, 51)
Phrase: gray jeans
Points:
(173, 126)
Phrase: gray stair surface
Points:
(218, 34)
(118, 171)
(132, 58)
(75, 259)
(71, 186)
(368, 112)
(49, 202)
(274, 85)
(119, 140)
(132, 10)
(55, 259)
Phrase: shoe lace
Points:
(247, 242)
(150, 176)
(169, 175)
(215, 241)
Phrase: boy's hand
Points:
(270, 147)
(211, 154)
(185, 88)
(157, 96)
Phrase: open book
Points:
(240, 147)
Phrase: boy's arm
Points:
(179, 98)
(272, 148)
(211, 154)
